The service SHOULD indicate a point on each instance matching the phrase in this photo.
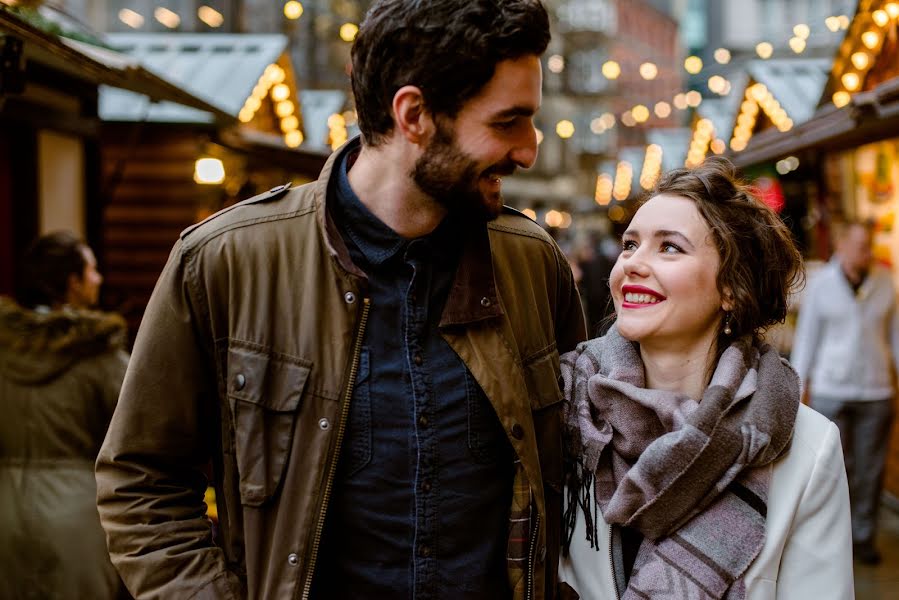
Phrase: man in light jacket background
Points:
(845, 350)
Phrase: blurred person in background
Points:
(595, 268)
(61, 367)
(845, 349)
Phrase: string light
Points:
(851, 81)
(662, 110)
(693, 65)
(797, 44)
(802, 30)
(860, 60)
(611, 69)
(293, 10)
(764, 50)
(348, 32)
(565, 129)
(166, 17)
(870, 39)
(892, 9)
(624, 176)
(694, 98)
(210, 16)
(832, 23)
(135, 20)
(555, 63)
(640, 113)
(603, 189)
(652, 164)
(722, 56)
(880, 17)
(649, 71)
(841, 98)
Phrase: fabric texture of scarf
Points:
(691, 476)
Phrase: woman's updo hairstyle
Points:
(760, 264)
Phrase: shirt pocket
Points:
(358, 441)
(264, 393)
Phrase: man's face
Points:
(463, 164)
(855, 249)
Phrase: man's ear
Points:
(412, 119)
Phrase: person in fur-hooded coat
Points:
(61, 367)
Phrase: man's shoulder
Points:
(278, 203)
(515, 223)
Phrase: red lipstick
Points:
(638, 289)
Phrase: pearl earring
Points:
(727, 329)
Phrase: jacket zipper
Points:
(357, 350)
(612, 566)
(531, 557)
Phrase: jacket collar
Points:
(473, 296)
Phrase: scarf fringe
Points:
(581, 495)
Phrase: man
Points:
(369, 362)
(845, 349)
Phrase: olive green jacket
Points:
(247, 357)
(60, 374)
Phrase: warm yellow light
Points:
(797, 44)
(641, 113)
(166, 17)
(565, 129)
(880, 17)
(833, 23)
(135, 20)
(705, 126)
(693, 65)
(290, 123)
(649, 71)
(718, 146)
(758, 91)
(280, 92)
(553, 218)
(737, 145)
(293, 10)
(870, 39)
(253, 103)
(597, 127)
(722, 56)
(209, 171)
(245, 115)
(566, 220)
(892, 9)
(611, 69)
(717, 84)
(210, 16)
(662, 110)
(555, 63)
(764, 50)
(274, 74)
(844, 21)
(530, 213)
(539, 136)
(293, 138)
(628, 120)
(802, 31)
(603, 193)
(336, 121)
(694, 98)
(348, 32)
(608, 120)
(851, 81)
(861, 60)
(841, 98)
(680, 101)
(284, 108)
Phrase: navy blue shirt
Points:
(419, 507)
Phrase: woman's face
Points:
(664, 282)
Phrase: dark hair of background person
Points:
(447, 48)
(46, 267)
(760, 263)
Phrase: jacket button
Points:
(324, 424)
(350, 297)
(485, 302)
(517, 431)
(240, 381)
(424, 551)
(293, 560)
(417, 360)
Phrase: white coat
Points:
(808, 545)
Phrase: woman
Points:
(697, 473)
(61, 367)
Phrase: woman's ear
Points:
(412, 119)
(727, 300)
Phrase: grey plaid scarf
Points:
(691, 477)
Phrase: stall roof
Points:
(99, 65)
(221, 69)
(797, 83)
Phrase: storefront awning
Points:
(98, 65)
(870, 116)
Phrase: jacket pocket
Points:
(542, 378)
(264, 392)
(487, 441)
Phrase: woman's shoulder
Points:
(813, 436)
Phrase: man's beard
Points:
(451, 177)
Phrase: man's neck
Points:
(380, 178)
(678, 369)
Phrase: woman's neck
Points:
(685, 370)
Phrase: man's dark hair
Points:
(46, 268)
(447, 48)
